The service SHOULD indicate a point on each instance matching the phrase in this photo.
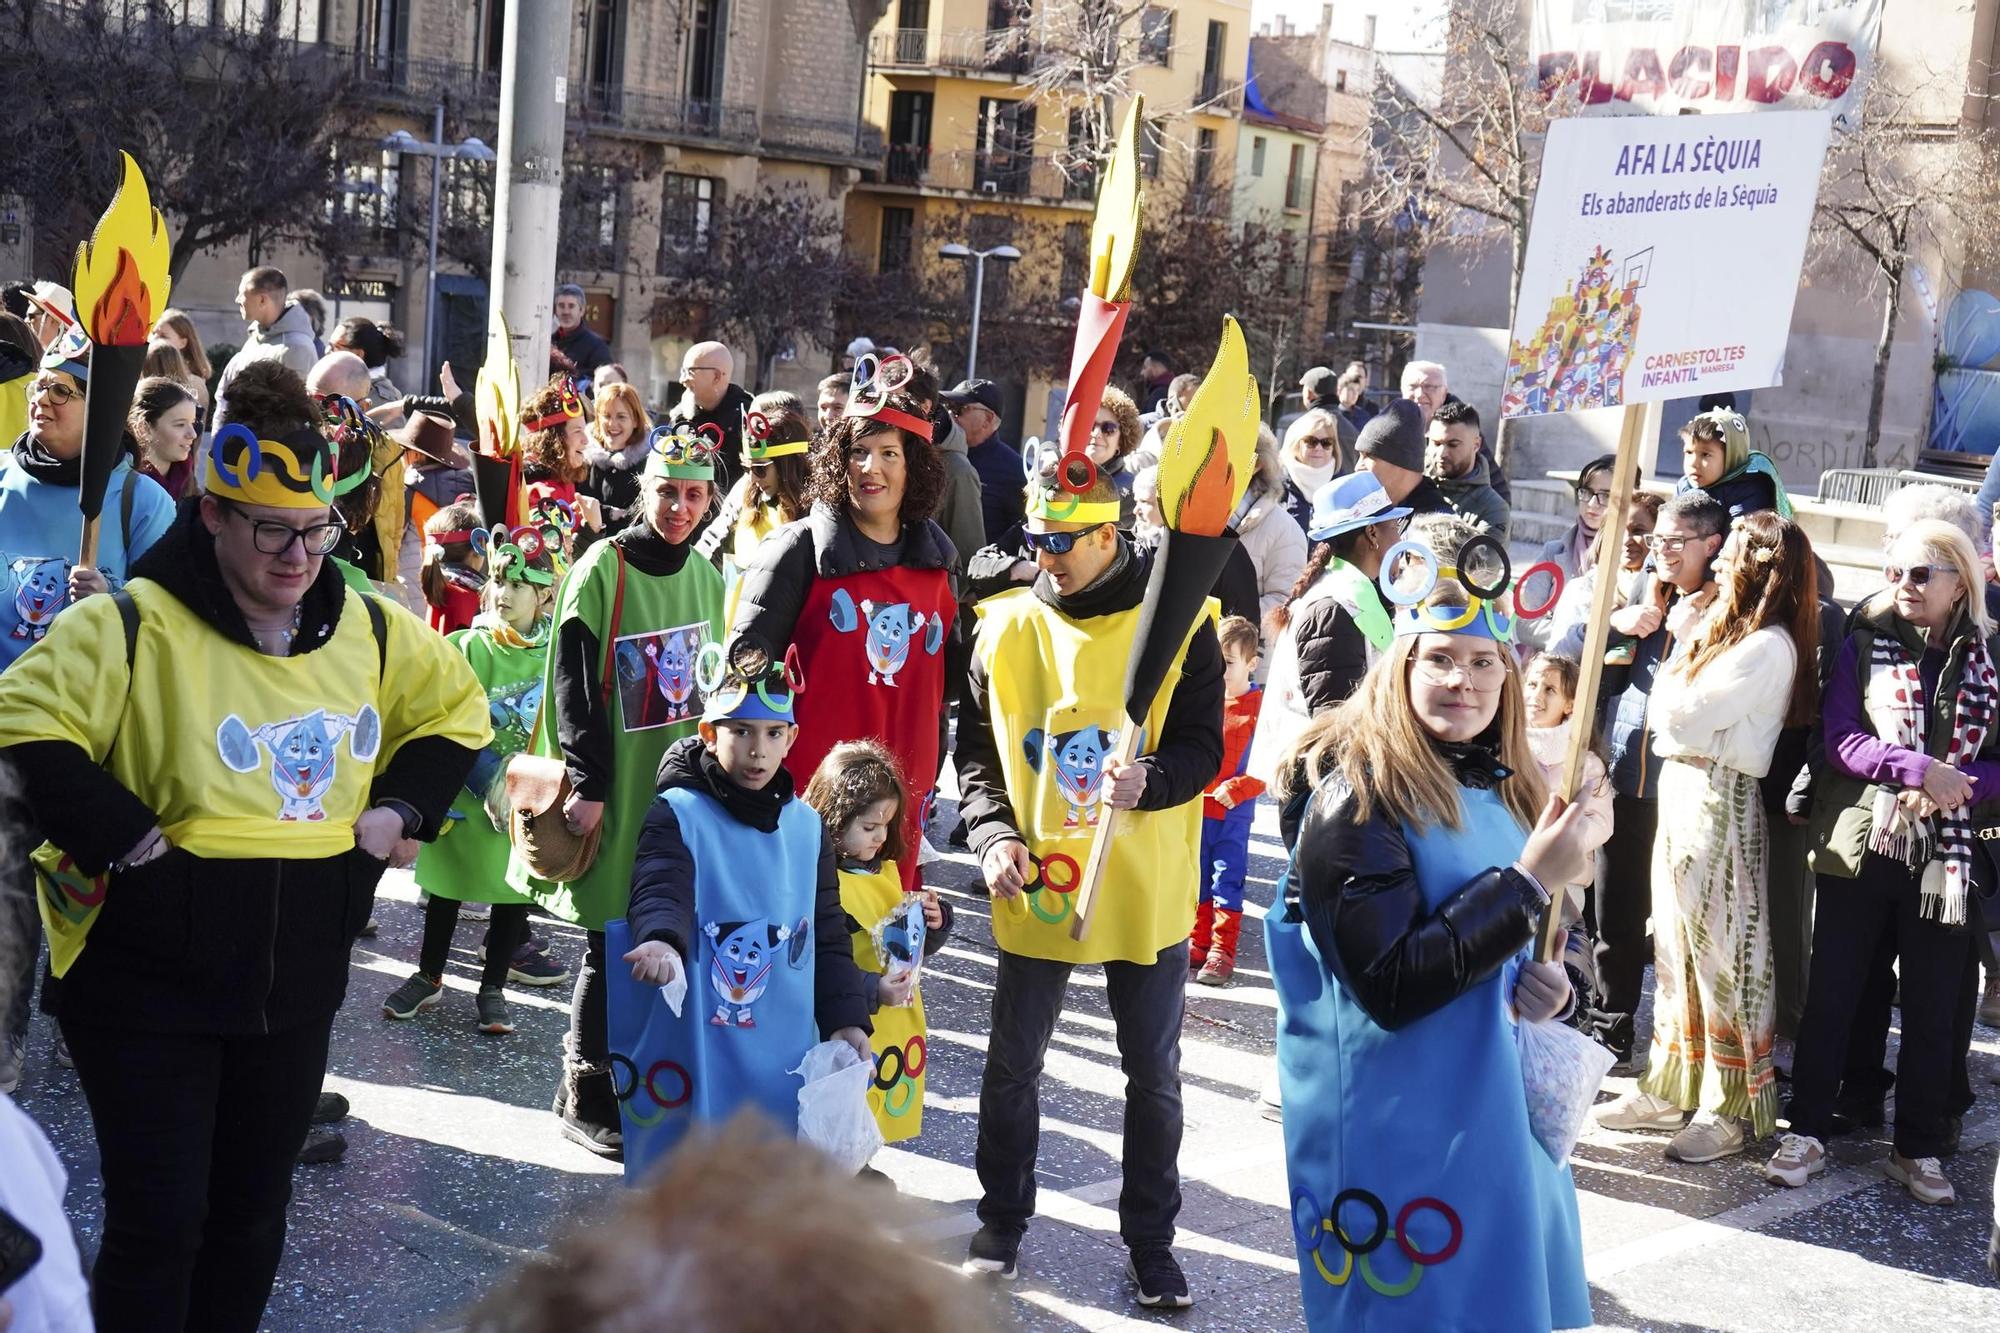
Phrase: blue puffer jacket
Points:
(1635, 769)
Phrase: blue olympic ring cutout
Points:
(232, 431)
(1386, 580)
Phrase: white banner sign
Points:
(1663, 258)
(1661, 57)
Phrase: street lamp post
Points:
(470, 150)
(1005, 254)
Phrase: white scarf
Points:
(627, 459)
(1308, 479)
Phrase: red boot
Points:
(1221, 963)
(1200, 942)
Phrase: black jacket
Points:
(186, 944)
(727, 416)
(587, 352)
(1177, 772)
(582, 719)
(662, 906)
(1333, 653)
(1355, 887)
(1426, 498)
(822, 545)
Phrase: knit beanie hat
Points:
(1395, 435)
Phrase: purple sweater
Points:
(1860, 753)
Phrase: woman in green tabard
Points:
(639, 599)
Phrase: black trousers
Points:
(589, 1021)
(1853, 920)
(1146, 1004)
(1865, 1081)
(505, 930)
(17, 908)
(197, 1136)
(1789, 897)
(1624, 901)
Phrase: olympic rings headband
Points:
(679, 450)
(519, 546)
(569, 407)
(275, 472)
(1056, 489)
(1483, 616)
(346, 422)
(875, 378)
(729, 691)
(758, 446)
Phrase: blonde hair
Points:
(621, 392)
(1376, 743)
(1314, 421)
(697, 1245)
(1944, 544)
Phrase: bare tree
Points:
(1897, 187)
(770, 274)
(234, 123)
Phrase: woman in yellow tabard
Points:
(1042, 712)
(863, 800)
(224, 756)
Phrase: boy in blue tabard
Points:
(735, 875)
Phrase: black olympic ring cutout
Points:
(1375, 1205)
(1485, 592)
(885, 1081)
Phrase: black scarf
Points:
(688, 763)
(34, 459)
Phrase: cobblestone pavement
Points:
(455, 1171)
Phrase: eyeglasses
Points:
(1483, 673)
(1669, 545)
(1315, 442)
(759, 469)
(1918, 575)
(1055, 543)
(696, 370)
(1592, 499)
(1105, 427)
(277, 538)
(55, 391)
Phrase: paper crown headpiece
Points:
(769, 695)
(683, 451)
(1058, 483)
(875, 378)
(510, 552)
(69, 353)
(346, 422)
(758, 444)
(1493, 606)
(297, 472)
(567, 407)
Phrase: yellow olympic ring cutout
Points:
(1346, 1268)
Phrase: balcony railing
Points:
(1001, 175)
(1219, 95)
(657, 113)
(832, 138)
(969, 51)
(417, 80)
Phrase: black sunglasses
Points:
(1918, 575)
(1055, 543)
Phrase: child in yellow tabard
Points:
(860, 796)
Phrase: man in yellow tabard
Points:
(1043, 711)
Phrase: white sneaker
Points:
(1923, 1177)
(1707, 1138)
(1799, 1158)
(1639, 1109)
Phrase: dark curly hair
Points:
(544, 452)
(924, 475)
(270, 399)
(853, 776)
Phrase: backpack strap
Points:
(125, 512)
(128, 614)
(617, 612)
(379, 624)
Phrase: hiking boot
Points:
(1922, 1177)
(1162, 1286)
(493, 1018)
(413, 997)
(331, 1107)
(322, 1146)
(1799, 1158)
(1707, 1138)
(1639, 1110)
(531, 967)
(13, 1054)
(995, 1251)
(590, 1120)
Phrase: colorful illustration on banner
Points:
(41, 587)
(743, 953)
(1075, 759)
(892, 629)
(511, 709)
(899, 937)
(1580, 355)
(304, 752)
(656, 676)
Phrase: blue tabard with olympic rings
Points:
(1419, 1198)
(748, 1019)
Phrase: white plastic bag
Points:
(1561, 1071)
(833, 1105)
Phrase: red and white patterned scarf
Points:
(1896, 708)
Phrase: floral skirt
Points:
(1714, 989)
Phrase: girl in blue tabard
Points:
(1401, 957)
